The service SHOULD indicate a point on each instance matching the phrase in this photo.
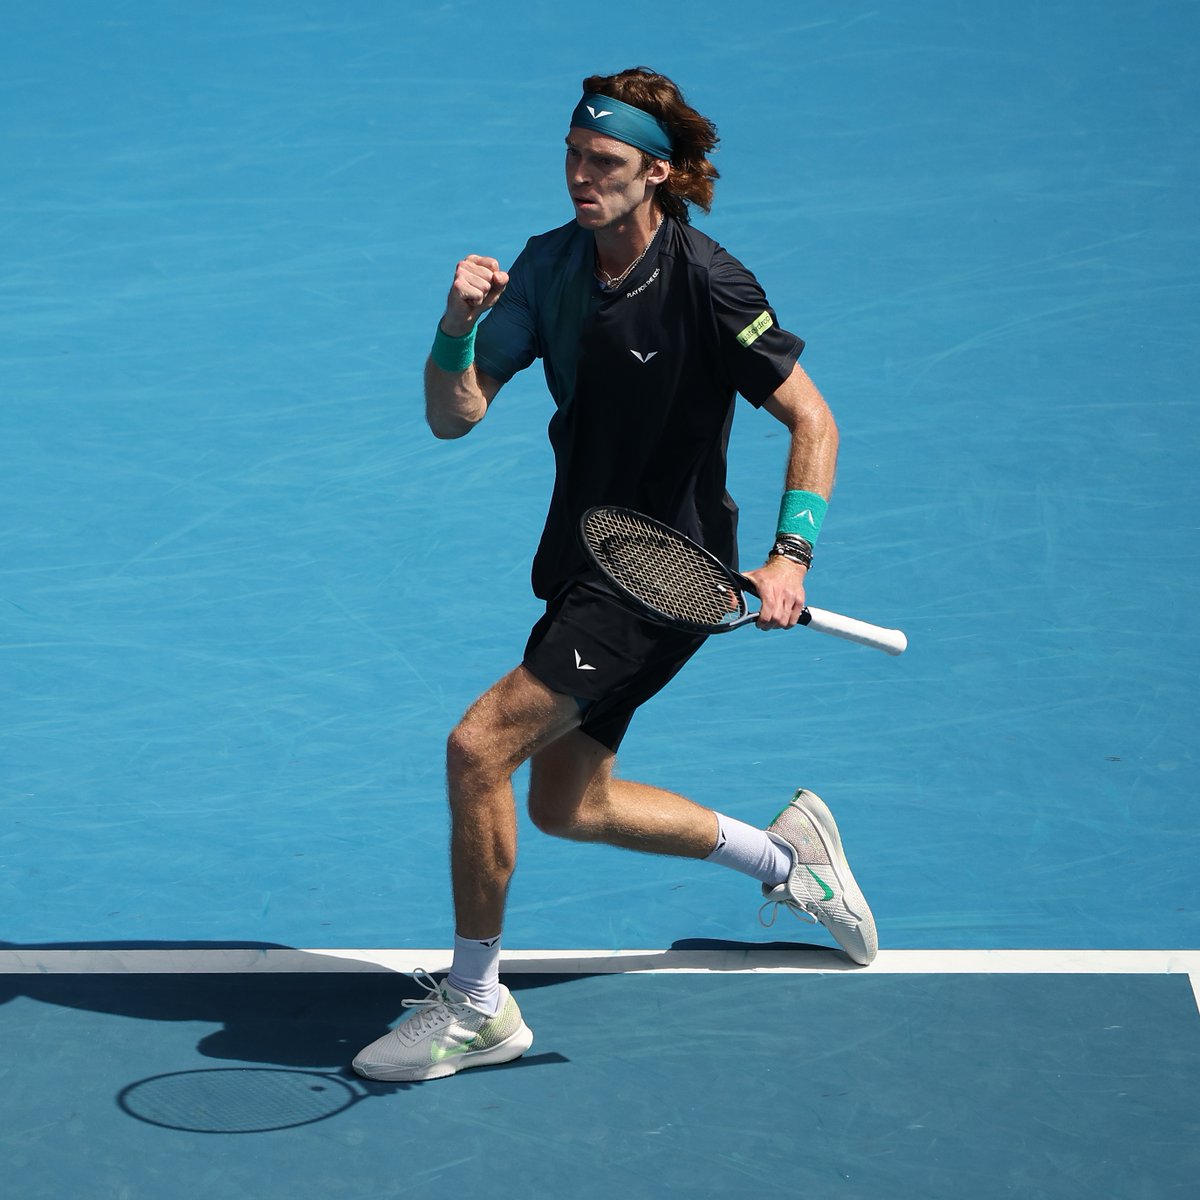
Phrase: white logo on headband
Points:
(604, 112)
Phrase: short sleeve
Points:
(506, 339)
(757, 354)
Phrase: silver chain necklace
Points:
(607, 281)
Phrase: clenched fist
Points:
(478, 284)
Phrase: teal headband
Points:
(622, 121)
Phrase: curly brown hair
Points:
(693, 136)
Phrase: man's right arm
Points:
(457, 400)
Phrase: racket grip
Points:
(890, 641)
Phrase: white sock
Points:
(475, 971)
(750, 850)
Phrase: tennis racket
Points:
(668, 578)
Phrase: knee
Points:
(560, 815)
(552, 818)
(471, 758)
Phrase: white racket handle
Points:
(890, 641)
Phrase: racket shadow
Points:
(240, 1100)
(233, 1100)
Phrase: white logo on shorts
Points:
(580, 665)
(643, 358)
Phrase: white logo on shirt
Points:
(640, 290)
(645, 358)
(604, 112)
(580, 665)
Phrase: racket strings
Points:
(661, 571)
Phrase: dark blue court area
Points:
(244, 595)
(707, 1085)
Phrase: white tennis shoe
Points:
(445, 1034)
(820, 887)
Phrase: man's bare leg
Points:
(471, 1019)
(500, 731)
(572, 794)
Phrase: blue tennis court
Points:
(244, 595)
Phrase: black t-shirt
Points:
(644, 380)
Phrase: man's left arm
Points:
(812, 464)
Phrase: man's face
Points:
(605, 178)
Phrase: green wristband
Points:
(801, 513)
(453, 353)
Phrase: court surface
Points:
(244, 595)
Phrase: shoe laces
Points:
(435, 998)
(801, 911)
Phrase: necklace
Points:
(610, 282)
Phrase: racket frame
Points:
(890, 641)
(739, 585)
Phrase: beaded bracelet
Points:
(794, 548)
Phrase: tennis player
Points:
(647, 330)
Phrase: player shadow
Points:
(687, 954)
(321, 1014)
(316, 1017)
(730, 955)
(283, 1039)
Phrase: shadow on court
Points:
(284, 1039)
(321, 1016)
(937, 1086)
(317, 1019)
(293, 1035)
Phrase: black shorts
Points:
(590, 646)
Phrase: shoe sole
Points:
(852, 898)
(511, 1048)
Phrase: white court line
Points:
(119, 960)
